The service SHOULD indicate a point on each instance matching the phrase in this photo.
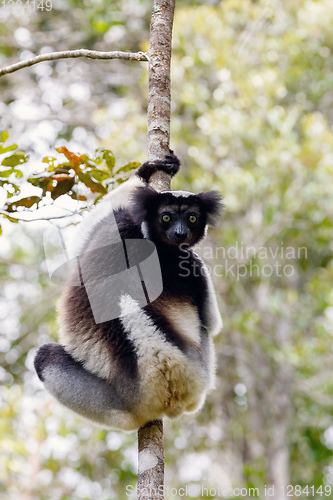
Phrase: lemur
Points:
(152, 360)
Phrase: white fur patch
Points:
(119, 198)
(144, 230)
(186, 194)
(170, 382)
(185, 320)
(212, 312)
(91, 353)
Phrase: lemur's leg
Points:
(81, 391)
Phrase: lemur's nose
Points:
(181, 236)
(180, 231)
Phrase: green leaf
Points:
(99, 175)
(4, 136)
(15, 159)
(62, 187)
(51, 161)
(119, 179)
(109, 158)
(8, 148)
(77, 197)
(43, 182)
(35, 181)
(6, 185)
(92, 185)
(61, 169)
(11, 219)
(88, 162)
(27, 202)
(128, 167)
(7, 173)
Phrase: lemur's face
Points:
(180, 223)
(175, 217)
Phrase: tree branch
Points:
(70, 54)
(13, 215)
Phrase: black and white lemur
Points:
(149, 361)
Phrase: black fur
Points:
(111, 333)
(145, 201)
(96, 263)
(170, 165)
(211, 204)
(148, 205)
(46, 353)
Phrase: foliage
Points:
(59, 178)
(96, 173)
(257, 129)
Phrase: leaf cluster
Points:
(75, 175)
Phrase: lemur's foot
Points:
(170, 165)
(52, 354)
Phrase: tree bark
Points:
(151, 461)
(150, 437)
(159, 99)
(70, 54)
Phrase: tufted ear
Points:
(211, 203)
(145, 200)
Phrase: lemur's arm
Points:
(211, 315)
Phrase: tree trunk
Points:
(150, 437)
(159, 99)
(151, 461)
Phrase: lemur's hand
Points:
(170, 165)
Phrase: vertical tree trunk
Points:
(150, 437)
(159, 100)
(151, 461)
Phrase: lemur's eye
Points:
(192, 219)
(166, 218)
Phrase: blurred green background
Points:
(252, 111)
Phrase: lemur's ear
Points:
(212, 205)
(145, 200)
